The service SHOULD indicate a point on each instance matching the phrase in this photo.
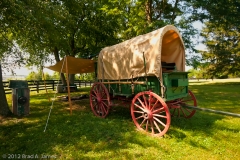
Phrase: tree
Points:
(221, 35)
(59, 28)
(4, 43)
(223, 49)
(4, 109)
(142, 16)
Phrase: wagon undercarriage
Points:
(150, 113)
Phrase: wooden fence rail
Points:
(50, 85)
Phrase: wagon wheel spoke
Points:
(103, 94)
(95, 97)
(186, 102)
(149, 100)
(160, 122)
(173, 112)
(138, 112)
(178, 113)
(145, 102)
(141, 103)
(142, 122)
(183, 112)
(159, 130)
(147, 126)
(155, 104)
(186, 109)
(152, 127)
(95, 107)
(139, 107)
(158, 110)
(105, 104)
(160, 116)
(103, 109)
(95, 92)
(139, 117)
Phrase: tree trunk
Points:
(56, 55)
(4, 108)
(148, 10)
(71, 78)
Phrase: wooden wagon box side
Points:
(175, 84)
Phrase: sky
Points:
(24, 71)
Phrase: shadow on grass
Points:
(79, 133)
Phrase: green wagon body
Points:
(175, 84)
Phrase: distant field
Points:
(215, 80)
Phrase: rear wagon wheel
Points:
(99, 100)
(190, 100)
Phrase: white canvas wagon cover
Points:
(125, 60)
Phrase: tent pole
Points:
(45, 85)
(69, 98)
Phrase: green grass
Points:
(84, 136)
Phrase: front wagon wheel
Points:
(99, 100)
(150, 113)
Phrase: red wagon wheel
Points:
(190, 100)
(99, 100)
(150, 113)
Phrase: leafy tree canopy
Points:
(221, 35)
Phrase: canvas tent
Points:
(126, 60)
(73, 65)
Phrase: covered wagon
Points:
(149, 72)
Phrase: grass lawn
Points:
(84, 136)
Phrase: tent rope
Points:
(54, 97)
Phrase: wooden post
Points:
(53, 83)
(69, 98)
(45, 85)
(37, 86)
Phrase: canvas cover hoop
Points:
(125, 60)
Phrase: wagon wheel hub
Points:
(99, 99)
(148, 115)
